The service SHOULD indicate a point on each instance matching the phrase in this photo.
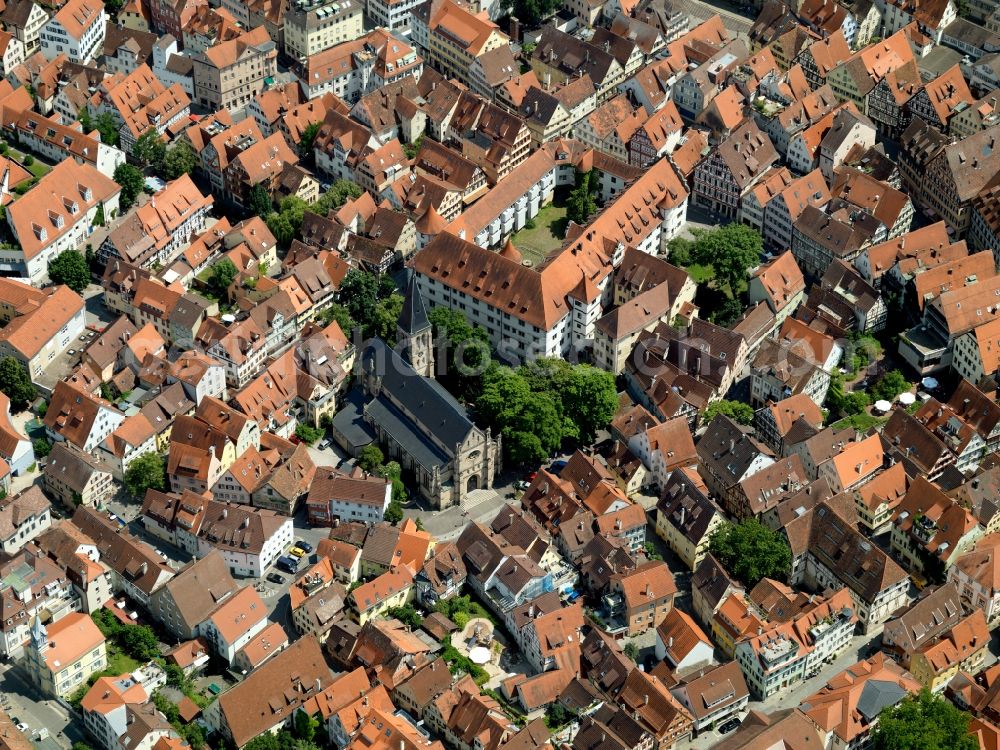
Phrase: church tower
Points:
(414, 335)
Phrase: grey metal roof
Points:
(350, 423)
(878, 695)
(434, 411)
(417, 446)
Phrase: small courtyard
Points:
(547, 233)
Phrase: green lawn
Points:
(701, 274)
(38, 169)
(548, 234)
(863, 421)
(119, 662)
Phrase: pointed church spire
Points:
(413, 331)
(413, 318)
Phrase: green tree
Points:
(108, 127)
(70, 268)
(259, 201)
(370, 458)
(751, 551)
(731, 250)
(590, 400)
(581, 202)
(737, 411)
(150, 150)
(406, 615)
(308, 139)
(890, 385)
(557, 716)
(223, 274)
(923, 722)
(86, 121)
(286, 222)
(467, 354)
(359, 294)
(304, 726)
(531, 426)
(146, 472)
(81, 745)
(337, 312)
(412, 149)
(131, 180)
(139, 642)
(15, 383)
(386, 316)
(180, 159)
(651, 552)
(339, 193)
(41, 447)
(307, 433)
(631, 651)
(394, 473)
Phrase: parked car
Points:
(324, 444)
(296, 552)
(728, 726)
(304, 545)
(287, 564)
(276, 578)
(521, 484)
(19, 724)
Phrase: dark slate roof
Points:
(413, 318)
(877, 695)
(350, 423)
(418, 446)
(435, 411)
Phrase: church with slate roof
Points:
(416, 421)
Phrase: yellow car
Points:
(296, 552)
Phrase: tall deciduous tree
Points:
(259, 200)
(923, 722)
(131, 181)
(15, 383)
(70, 268)
(146, 472)
(223, 274)
(731, 250)
(180, 159)
(751, 551)
(735, 410)
(150, 150)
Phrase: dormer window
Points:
(40, 232)
(85, 192)
(71, 205)
(56, 219)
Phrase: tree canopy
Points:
(737, 411)
(890, 385)
(70, 268)
(731, 250)
(750, 551)
(308, 139)
(532, 12)
(15, 383)
(286, 222)
(582, 201)
(131, 180)
(259, 200)
(150, 150)
(146, 472)
(467, 352)
(180, 159)
(108, 128)
(338, 194)
(223, 274)
(370, 458)
(372, 302)
(544, 403)
(923, 722)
